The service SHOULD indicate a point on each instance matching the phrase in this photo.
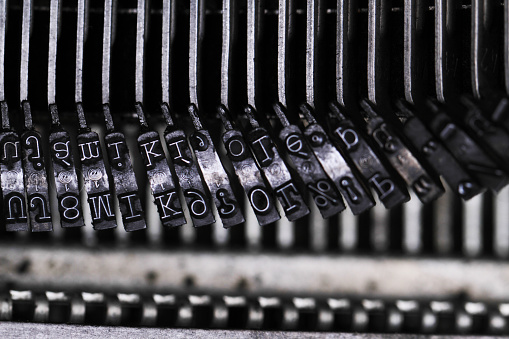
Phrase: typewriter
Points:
(254, 169)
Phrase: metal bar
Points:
(345, 33)
(253, 28)
(165, 54)
(282, 45)
(312, 21)
(54, 22)
(25, 46)
(225, 52)
(195, 35)
(413, 48)
(484, 46)
(506, 45)
(140, 49)
(106, 57)
(80, 41)
(376, 22)
(3, 28)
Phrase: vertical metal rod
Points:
(140, 50)
(373, 48)
(165, 54)
(439, 49)
(412, 51)
(25, 43)
(253, 13)
(506, 44)
(3, 25)
(225, 53)
(282, 45)
(194, 45)
(477, 13)
(80, 40)
(54, 22)
(106, 57)
(312, 22)
(344, 29)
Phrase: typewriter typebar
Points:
(254, 168)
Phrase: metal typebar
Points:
(284, 30)
(26, 22)
(331, 160)
(62, 159)
(54, 22)
(14, 207)
(36, 183)
(253, 31)
(250, 177)
(3, 28)
(106, 56)
(124, 179)
(196, 196)
(208, 160)
(95, 176)
(195, 36)
(345, 38)
(159, 175)
(261, 143)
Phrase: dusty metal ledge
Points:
(157, 270)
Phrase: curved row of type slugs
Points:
(387, 152)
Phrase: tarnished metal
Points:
(124, 180)
(460, 181)
(387, 184)
(96, 180)
(64, 171)
(261, 143)
(352, 188)
(246, 170)
(36, 180)
(284, 30)
(424, 183)
(465, 149)
(196, 195)
(208, 160)
(494, 138)
(446, 49)
(345, 38)
(3, 25)
(14, 204)
(214, 173)
(275, 169)
(159, 175)
(322, 189)
(61, 153)
(413, 128)
(93, 169)
(250, 177)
